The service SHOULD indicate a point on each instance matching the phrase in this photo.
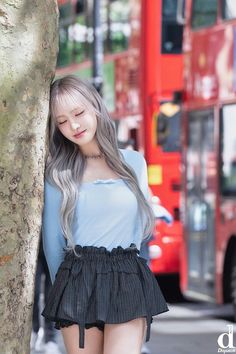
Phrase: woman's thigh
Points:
(125, 338)
(93, 340)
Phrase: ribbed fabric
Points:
(102, 286)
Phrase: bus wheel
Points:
(233, 284)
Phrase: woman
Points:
(96, 213)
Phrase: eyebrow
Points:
(70, 112)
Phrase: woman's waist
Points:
(94, 252)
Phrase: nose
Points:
(75, 125)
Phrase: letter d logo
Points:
(230, 338)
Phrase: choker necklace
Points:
(94, 156)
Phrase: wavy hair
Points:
(66, 164)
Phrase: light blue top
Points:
(106, 214)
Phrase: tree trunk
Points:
(28, 51)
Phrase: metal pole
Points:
(97, 47)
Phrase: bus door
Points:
(201, 204)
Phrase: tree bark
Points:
(28, 51)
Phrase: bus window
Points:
(172, 32)
(201, 160)
(228, 9)
(228, 151)
(204, 13)
(168, 127)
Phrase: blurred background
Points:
(167, 72)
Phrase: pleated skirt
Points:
(100, 286)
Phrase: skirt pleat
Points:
(102, 286)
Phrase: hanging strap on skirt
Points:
(81, 334)
(149, 321)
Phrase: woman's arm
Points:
(52, 236)
(143, 176)
(138, 163)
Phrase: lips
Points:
(79, 134)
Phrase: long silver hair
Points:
(66, 164)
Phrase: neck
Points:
(90, 149)
(94, 156)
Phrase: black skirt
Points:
(102, 286)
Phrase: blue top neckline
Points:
(108, 180)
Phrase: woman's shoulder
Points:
(48, 184)
(133, 157)
(50, 189)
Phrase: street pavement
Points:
(191, 328)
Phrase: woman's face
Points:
(75, 120)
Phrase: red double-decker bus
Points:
(162, 65)
(142, 69)
(208, 270)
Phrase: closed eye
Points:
(76, 115)
(79, 114)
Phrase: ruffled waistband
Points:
(92, 251)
